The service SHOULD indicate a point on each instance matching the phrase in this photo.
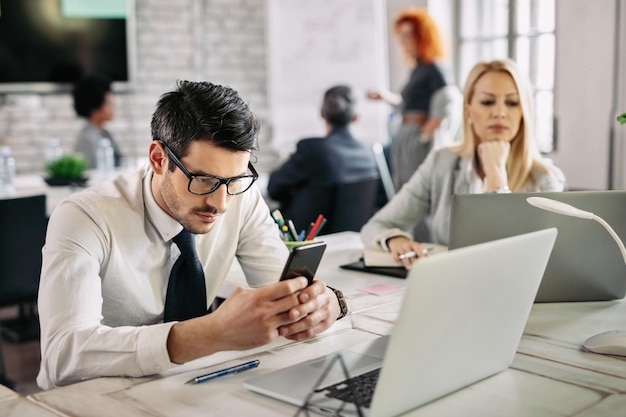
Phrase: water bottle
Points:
(7, 172)
(105, 162)
(54, 150)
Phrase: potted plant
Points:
(67, 169)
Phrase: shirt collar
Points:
(165, 225)
(470, 171)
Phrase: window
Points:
(519, 29)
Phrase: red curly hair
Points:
(427, 37)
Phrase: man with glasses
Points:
(111, 302)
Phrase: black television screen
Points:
(46, 45)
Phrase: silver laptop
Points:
(586, 263)
(461, 321)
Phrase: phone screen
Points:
(303, 261)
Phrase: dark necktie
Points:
(186, 289)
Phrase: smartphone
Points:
(303, 261)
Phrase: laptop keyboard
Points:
(362, 386)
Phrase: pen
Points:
(227, 371)
(407, 255)
(278, 216)
(317, 231)
(292, 230)
(285, 229)
(411, 254)
(315, 227)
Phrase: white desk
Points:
(550, 376)
(13, 404)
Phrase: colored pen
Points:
(301, 235)
(316, 225)
(278, 217)
(285, 230)
(308, 230)
(317, 231)
(228, 371)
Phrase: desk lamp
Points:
(612, 342)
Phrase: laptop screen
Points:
(586, 264)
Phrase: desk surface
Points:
(550, 376)
(13, 404)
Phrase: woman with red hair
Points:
(419, 39)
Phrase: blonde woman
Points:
(498, 153)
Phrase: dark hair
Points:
(89, 94)
(204, 111)
(339, 105)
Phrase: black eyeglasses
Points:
(201, 184)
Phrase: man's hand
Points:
(251, 317)
(317, 311)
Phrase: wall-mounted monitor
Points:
(47, 45)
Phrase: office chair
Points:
(23, 223)
(383, 171)
(353, 204)
(346, 206)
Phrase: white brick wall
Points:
(221, 41)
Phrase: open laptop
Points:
(461, 321)
(586, 263)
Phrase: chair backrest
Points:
(383, 170)
(354, 203)
(23, 223)
(346, 206)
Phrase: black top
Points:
(425, 79)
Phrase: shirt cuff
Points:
(384, 237)
(152, 348)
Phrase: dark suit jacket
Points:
(315, 166)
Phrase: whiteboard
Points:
(315, 44)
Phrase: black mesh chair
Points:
(23, 223)
(346, 206)
(353, 205)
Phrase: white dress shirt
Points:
(106, 265)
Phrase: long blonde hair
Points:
(524, 156)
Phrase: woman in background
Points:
(498, 153)
(93, 100)
(421, 45)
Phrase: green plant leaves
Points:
(622, 118)
(67, 166)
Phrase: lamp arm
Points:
(614, 235)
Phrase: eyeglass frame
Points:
(222, 180)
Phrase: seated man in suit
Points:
(303, 184)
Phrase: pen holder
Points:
(292, 244)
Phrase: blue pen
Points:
(232, 370)
(301, 235)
